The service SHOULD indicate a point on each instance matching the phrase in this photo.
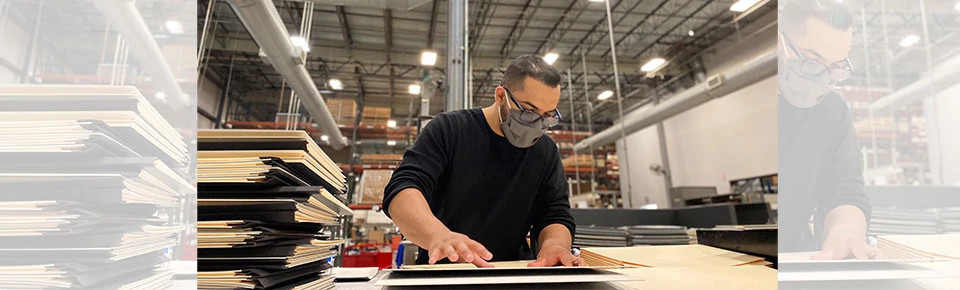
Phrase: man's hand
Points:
(846, 228)
(843, 245)
(458, 247)
(556, 256)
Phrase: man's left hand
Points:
(556, 256)
(842, 245)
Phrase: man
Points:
(478, 180)
(821, 172)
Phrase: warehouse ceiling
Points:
(375, 49)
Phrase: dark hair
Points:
(795, 13)
(529, 65)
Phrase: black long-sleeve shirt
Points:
(479, 185)
(820, 168)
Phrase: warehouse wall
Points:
(945, 139)
(731, 137)
(12, 49)
(207, 97)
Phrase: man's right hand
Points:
(458, 247)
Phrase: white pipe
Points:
(263, 22)
(756, 68)
(946, 74)
(126, 19)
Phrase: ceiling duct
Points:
(944, 75)
(126, 19)
(263, 22)
(754, 69)
(403, 5)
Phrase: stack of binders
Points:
(91, 183)
(903, 221)
(658, 235)
(596, 236)
(270, 210)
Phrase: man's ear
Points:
(499, 94)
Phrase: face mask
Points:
(802, 91)
(518, 133)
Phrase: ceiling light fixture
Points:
(910, 40)
(392, 123)
(414, 89)
(336, 84)
(550, 58)
(174, 27)
(653, 65)
(299, 41)
(743, 5)
(605, 95)
(428, 58)
(391, 143)
(324, 138)
(596, 0)
(691, 33)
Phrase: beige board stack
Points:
(270, 209)
(581, 160)
(666, 256)
(344, 110)
(943, 246)
(91, 183)
(375, 116)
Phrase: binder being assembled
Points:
(91, 182)
(269, 210)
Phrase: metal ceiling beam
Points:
(670, 31)
(563, 18)
(599, 23)
(344, 26)
(388, 41)
(433, 24)
(627, 14)
(517, 31)
(635, 27)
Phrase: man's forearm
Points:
(555, 235)
(410, 211)
(846, 219)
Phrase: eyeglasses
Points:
(549, 119)
(814, 68)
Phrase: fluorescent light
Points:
(957, 7)
(336, 84)
(428, 57)
(324, 138)
(596, 0)
(910, 40)
(161, 96)
(392, 123)
(743, 5)
(653, 64)
(691, 33)
(174, 27)
(414, 89)
(550, 58)
(391, 143)
(605, 95)
(300, 42)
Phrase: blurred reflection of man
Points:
(821, 173)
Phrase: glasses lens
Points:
(839, 74)
(812, 68)
(529, 116)
(550, 121)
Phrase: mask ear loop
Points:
(500, 115)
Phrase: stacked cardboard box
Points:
(375, 116)
(344, 111)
